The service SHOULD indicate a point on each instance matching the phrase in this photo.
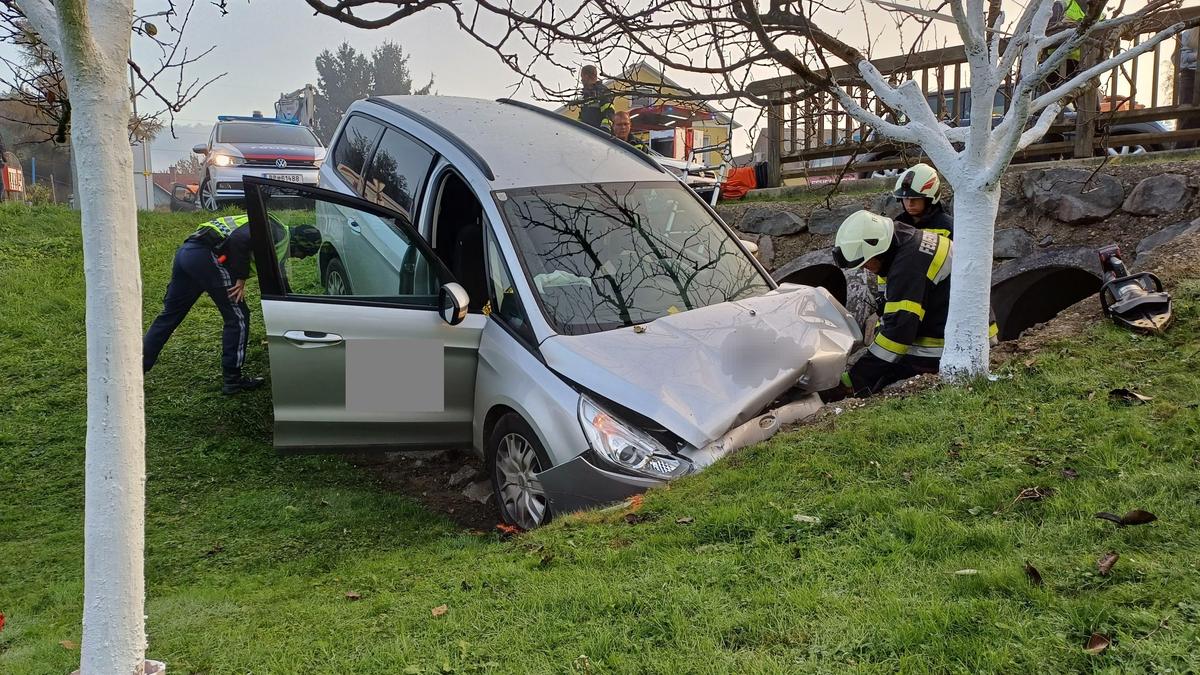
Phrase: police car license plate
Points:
(289, 177)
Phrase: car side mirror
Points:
(452, 303)
(200, 149)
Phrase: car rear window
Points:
(255, 132)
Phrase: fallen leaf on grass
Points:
(1128, 397)
(635, 502)
(351, 595)
(1035, 577)
(1097, 643)
(1069, 473)
(633, 518)
(216, 548)
(907, 476)
(1029, 494)
(1, 620)
(966, 572)
(507, 530)
(801, 518)
(1106, 562)
(439, 610)
(1134, 517)
(546, 560)
(686, 520)
(1029, 362)
(69, 644)
(1034, 494)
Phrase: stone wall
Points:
(1133, 204)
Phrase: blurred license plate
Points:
(289, 177)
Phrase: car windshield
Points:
(618, 254)
(274, 134)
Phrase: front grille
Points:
(291, 163)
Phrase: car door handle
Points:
(312, 338)
(355, 227)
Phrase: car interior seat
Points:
(467, 266)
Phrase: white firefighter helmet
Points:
(862, 236)
(918, 180)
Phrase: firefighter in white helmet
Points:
(917, 189)
(910, 335)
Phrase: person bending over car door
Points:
(910, 336)
(217, 259)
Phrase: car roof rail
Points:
(246, 118)
(589, 128)
(447, 135)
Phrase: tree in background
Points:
(191, 165)
(345, 76)
(390, 73)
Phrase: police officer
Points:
(910, 336)
(622, 126)
(216, 259)
(596, 106)
(917, 189)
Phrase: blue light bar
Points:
(240, 118)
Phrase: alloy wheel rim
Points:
(1127, 150)
(335, 284)
(521, 494)
(209, 198)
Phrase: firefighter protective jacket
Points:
(935, 219)
(597, 107)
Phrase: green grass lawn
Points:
(250, 555)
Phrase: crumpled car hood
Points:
(701, 372)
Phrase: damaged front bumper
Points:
(581, 484)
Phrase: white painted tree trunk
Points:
(92, 40)
(967, 349)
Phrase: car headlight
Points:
(624, 447)
(226, 160)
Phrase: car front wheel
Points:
(515, 455)
(208, 198)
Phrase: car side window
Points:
(326, 249)
(353, 147)
(398, 172)
(505, 303)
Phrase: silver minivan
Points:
(495, 276)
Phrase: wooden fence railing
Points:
(1123, 111)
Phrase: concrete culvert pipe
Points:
(853, 290)
(1031, 290)
(829, 277)
(815, 268)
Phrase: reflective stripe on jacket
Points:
(597, 107)
(225, 226)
